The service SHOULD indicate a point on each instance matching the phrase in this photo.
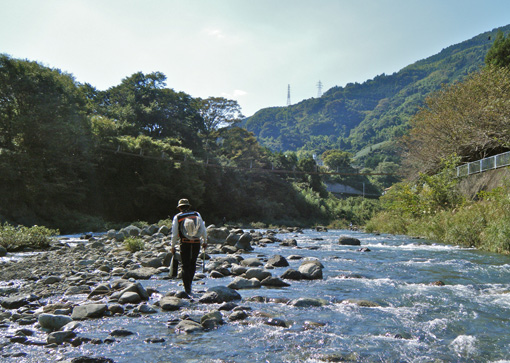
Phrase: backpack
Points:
(189, 225)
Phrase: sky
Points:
(246, 50)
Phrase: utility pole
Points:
(288, 95)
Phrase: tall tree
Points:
(219, 112)
(46, 138)
(499, 54)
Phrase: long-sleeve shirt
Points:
(202, 232)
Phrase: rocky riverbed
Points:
(46, 296)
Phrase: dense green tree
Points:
(219, 112)
(45, 141)
(336, 159)
(141, 103)
(499, 54)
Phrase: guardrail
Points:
(479, 166)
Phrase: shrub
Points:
(134, 244)
(20, 237)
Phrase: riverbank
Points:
(389, 299)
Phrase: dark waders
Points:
(189, 256)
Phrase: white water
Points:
(467, 320)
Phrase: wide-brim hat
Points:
(183, 203)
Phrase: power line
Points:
(207, 163)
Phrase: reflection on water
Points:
(414, 318)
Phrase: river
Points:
(465, 320)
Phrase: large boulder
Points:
(17, 301)
(217, 235)
(292, 274)
(188, 326)
(244, 242)
(258, 273)
(172, 303)
(242, 283)
(219, 294)
(232, 239)
(131, 231)
(53, 322)
(89, 311)
(349, 241)
(251, 262)
(3, 251)
(274, 282)
(311, 270)
(278, 261)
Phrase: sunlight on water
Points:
(381, 306)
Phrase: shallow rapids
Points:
(385, 305)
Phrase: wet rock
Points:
(275, 322)
(77, 290)
(142, 273)
(116, 309)
(437, 283)
(294, 257)
(238, 269)
(3, 251)
(146, 309)
(232, 239)
(171, 303)
(304, 302)
(243, 283)
(50, 280)
(288, 243)
(311, 270)
(244, 242)
(89, 311)
(216, 275)
(272, 281)
(228, 306)
(292, 274)
(362, 303)
(60, 337)
(349, 241)
(251, 262)
(17, 301)
(364, 249)
(85, 359)
(129, 297)
(278, 261)
(121, 333)
(238, 315)
(102, 289)
(188, 326)
(228, 249)
(53, 322)
(219, 294)
(217, 235)
(258, 273)
(216, 317)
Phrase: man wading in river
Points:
(188, 227)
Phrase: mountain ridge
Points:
(358, 115)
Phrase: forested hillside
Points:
(356, 116)
(76, 158)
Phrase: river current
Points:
(416, 320)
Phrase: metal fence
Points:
(479, 166)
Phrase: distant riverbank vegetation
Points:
(463, 122)
(78, 159)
